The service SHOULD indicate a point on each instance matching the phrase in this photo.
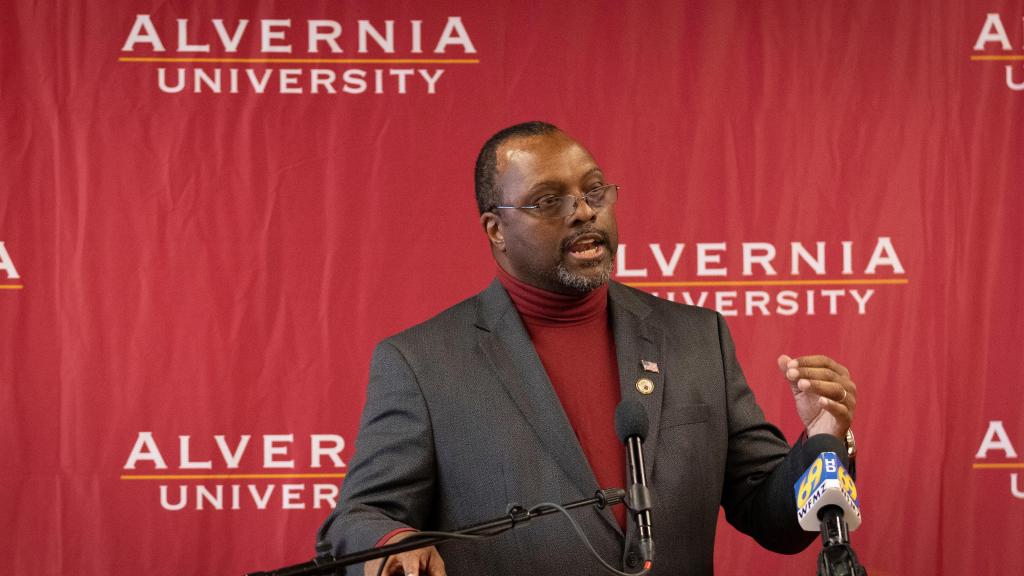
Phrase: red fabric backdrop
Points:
(204, 256)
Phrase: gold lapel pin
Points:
(645, 386)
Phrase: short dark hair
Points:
(488, 195)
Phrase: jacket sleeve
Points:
(391, 477)
(761, 468)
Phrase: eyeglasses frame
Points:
(575, 202)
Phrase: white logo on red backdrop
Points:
(233, 474)
(293, 56)
(997, 440)
(7, 270)
(994, 45)
(764, 278)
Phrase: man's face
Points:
(570, 255)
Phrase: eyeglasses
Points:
(552, 206)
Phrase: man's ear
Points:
(492, 227)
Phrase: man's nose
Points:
(584, 211)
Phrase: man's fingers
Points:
(834, 391)
(783, 362)
(838, 411)
(821, 386)
(787, 364)
(391, 566)
(827, 388)
(820, 361)
(814, 374)
(425, 561)
(435, 565)
(403, 564)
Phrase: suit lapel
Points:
(506, 344)
(637, 339)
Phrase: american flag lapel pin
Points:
(650, 366)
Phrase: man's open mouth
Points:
(587, 246)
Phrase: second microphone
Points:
(631, 426)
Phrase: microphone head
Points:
(826, 483)
(631, 420)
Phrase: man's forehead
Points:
(543, 156)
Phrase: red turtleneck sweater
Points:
(573, 337)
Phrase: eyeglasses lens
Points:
(563, 206)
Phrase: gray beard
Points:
(584, 284)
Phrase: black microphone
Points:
(631, 426)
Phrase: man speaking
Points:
(510, 397)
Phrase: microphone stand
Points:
(328, 564)
(837, 557)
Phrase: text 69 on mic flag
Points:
(826, 482)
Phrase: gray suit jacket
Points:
(461, 420)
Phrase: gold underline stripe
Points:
(997, 58)
(228, 476)
(1001, 466)
(851, 282)
(11, 286)
(299, 60)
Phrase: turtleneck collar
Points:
(539, 306)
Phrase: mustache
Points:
(576, 234)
